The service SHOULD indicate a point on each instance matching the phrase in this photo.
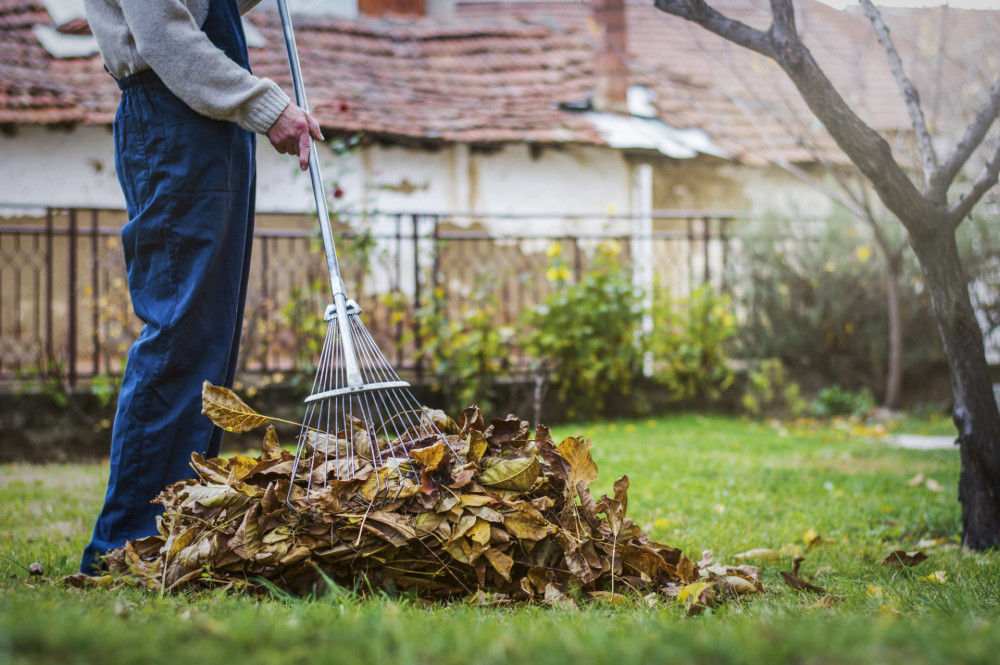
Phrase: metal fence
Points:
(64, 304)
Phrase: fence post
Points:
(417, 342)
(48, 344)
(397, 287)
(266, 300)
(724, 240)
(707, 238)
(71, 297)
(95, 289)
(689, 224)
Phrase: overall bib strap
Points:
(224, 28)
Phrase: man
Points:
(184, 152)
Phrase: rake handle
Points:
(354, 378)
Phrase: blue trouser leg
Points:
(189, 189)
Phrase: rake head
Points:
(361, 420)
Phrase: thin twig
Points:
(910, 95)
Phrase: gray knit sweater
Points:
(166, 36)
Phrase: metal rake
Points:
(359, 412)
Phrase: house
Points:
(517, 118)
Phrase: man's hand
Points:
(290, 133)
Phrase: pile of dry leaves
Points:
(495, 511)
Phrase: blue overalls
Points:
(189, 185)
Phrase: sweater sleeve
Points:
(200, 74)
(247, 5)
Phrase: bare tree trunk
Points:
(930, 221)
(894, 371)
(975, 411)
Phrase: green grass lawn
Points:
(698, 482)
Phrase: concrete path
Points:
(921, 442)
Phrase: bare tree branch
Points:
(862, 144)
(736, 32)
(974, 135)
(910, 95)
(987, 178)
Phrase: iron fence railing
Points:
(64, 303)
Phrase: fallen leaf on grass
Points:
(828, 601)
(793, 580)
(761, 554)
(84, 581)
(927, 543)
(933, 485)
(811, 538)
(900, 558)
(938, 577)
(876, 592)
(696, 597)
(929, 483)
(889, 610)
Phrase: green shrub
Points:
(769, 392)
(691, 343)
(464, 354)
(585, 335)
(836, 401)
(813, 294)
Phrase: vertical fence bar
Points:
(48, 343)
(71, 297)
(36, 292)
(397, 287)
(266, 299)
(95, 290)
(418, 342)
(689, 224)
(724, 240)
(707, 239)
(577, 259)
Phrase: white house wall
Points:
(42, 167)
(57, 167)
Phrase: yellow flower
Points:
(610, 248)
(863, 254)
(557, 274)
(554, 249)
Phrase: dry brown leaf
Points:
(828, 601)
(793, 580)
(901, 558)
(228, 411)
(763, 554)
(430, 457)
(517, 474)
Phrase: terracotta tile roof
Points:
(473, 80)
(29, 91)
(741, 99)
